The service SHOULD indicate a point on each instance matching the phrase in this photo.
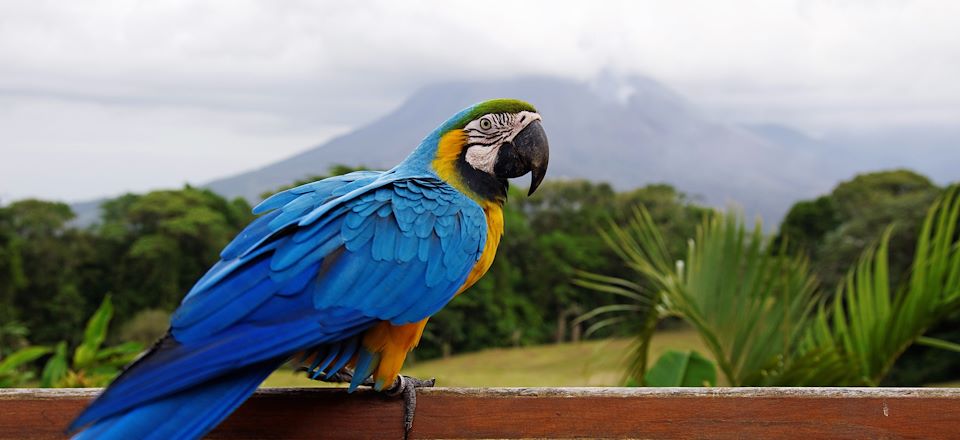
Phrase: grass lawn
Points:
(591, 363)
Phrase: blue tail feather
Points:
(188, 414)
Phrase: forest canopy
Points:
(148, 249)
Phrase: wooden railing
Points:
(474, 413)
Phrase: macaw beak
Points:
(529, 152)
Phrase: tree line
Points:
(148, 249)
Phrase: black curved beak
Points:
(528, 153)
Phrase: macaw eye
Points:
(485, 124)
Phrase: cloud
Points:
(75, 150)
(270, 78)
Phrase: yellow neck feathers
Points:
(445, 164)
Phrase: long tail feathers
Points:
(188, 414)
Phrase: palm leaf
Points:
(94, 335)
(871, 324)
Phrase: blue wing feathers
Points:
(423, 225)
(371, 281)
(230, 291)
(253, 233)
(359, 237)
(323, 188)
(396, 284)
(290, 254)
(335, 287)
(217, 319)
(417, 309)
(435, 267)
(327, 261)
(406, 248)
(384, 241)
(224, 268)
(295, 285)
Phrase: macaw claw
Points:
(406, 387)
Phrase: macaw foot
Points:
(406, 387)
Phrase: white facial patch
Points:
(486, 134)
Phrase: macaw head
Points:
(481, 147)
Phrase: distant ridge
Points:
(629, 132)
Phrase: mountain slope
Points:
(629, 132)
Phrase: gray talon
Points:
(406, 387)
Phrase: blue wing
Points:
(328, 260)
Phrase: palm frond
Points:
(871, 324)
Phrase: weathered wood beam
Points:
(474, 413)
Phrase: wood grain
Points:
(475, 413)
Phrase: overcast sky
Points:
(101, 97)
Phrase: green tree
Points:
(835, 229)
(12, 277)
(807, 224)
(866, 191)
(50, 255)
(153, 247)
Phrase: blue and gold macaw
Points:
(342, 273)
